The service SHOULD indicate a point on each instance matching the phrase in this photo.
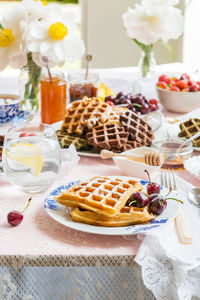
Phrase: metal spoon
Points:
(194, 196)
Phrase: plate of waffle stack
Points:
(101, 205)
(186, 129)
(92, 125)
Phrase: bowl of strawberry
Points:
(137, 103)
(180, 95)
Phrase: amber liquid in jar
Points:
(53, 99)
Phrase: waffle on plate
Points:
(103, 195)
(95, 123)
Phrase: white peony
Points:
(153, 21)
(54, 38)
(12, 39)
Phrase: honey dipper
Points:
(152, 158)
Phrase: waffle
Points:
(66, 140)
(107, 136)
(131, 145)
(85, 114)
(138, 129)
(127, 216)
(189, 128)
(103, 195)
(115, 113)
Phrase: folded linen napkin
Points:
(171, 270)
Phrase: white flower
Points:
(54, 37)
(36, 9)
(152, 21)
(12, 39)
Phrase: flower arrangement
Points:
(34, 34)
(151, 22)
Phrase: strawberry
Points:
(162, 85)
(181, 84)
(175, 89)
(164, 78)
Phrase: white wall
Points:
(106, 39)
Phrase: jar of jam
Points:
(53, 97)
(79, 86)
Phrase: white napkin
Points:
(169, 269)
(69, 159)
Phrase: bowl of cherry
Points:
(153, 199)
(137, 103)
(180, 95)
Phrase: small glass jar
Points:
(79, 86)
(53, 97)
(174, 154)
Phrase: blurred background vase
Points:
(147, 64)
(29, 86)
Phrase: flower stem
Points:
(146, 63)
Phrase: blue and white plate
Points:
(60, 214)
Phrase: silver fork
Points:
(168, 180)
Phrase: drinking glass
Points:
(31, 157)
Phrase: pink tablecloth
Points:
(38, 234)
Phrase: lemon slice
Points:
(29, 155)
(104, 91)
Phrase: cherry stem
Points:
(137, 105)
(134, 201)
(168, 193)
(148, 176)
(29, 200)
(174, 199)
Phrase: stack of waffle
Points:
(190, 128)
(91, 122)
(102, 201)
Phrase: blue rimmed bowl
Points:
(9, 107)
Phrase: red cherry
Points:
(110, 103)
(153, 101)
(181, 84)
(175, 89)
(162, 84)
(32, 134)
(15, 217)
(193, 88)
(23, 134)
(164, 78)
(153, 106)
(152, 187)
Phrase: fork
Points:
(169, 181)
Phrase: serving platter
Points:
(156, 118)
(60, 214)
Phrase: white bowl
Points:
(133, 168)
(181, 102)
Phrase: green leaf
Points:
(1, 27)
